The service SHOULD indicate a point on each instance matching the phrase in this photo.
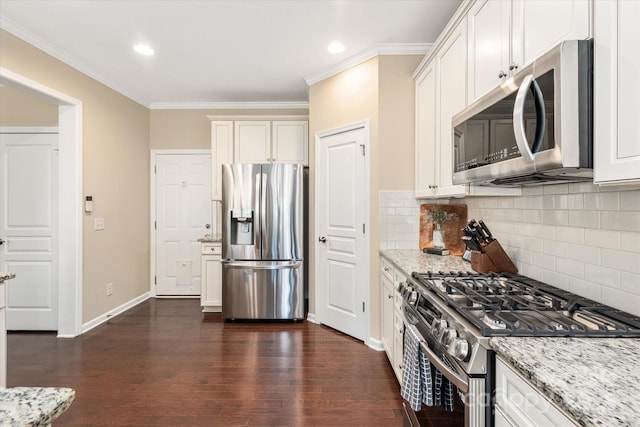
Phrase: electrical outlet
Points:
(98, 224)
(109, 289)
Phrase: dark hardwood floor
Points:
(165, 363)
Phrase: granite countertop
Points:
(6, 276)
(595, 380)
(410, 260)
(208, 238)
(33, 406)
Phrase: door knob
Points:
(322, 239)
(1, 241)
(207, 226)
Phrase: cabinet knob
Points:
(322, 239)
(389, 296)
(513, 66)
(502, 74)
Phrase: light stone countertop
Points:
(410, 260)
(208, 238)
(33, 406)
(595, 380)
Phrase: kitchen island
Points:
(596, 381)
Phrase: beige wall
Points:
(20, 108)
(397, 121)
(115, 172)
(191, 129)
(380, 90)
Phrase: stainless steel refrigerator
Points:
(262, 241)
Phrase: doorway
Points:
(342, 224)
(69, 294)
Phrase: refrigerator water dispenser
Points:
(241, 227)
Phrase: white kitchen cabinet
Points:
(616, 92)
(518, 403)
(505, 35)
(271, 141)
(440, 94)
(211, 273)
(290, 141)
(489, 24)
(221, 153)
(392, 319)
(3, 335)
(387, 302)
(252, 141)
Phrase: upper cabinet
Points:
(616, 91)
(267, 139)
(505, 35)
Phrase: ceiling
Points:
(215, 52)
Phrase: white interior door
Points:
(28, 226)
(183, 211)
(342, 284)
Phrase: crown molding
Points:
(367, 54)
(37, 42)
(295, 105)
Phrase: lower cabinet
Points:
(520, 404)
(392, 324)
(211, 273)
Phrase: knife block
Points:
(493, 259)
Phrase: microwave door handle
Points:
(518, 120)
(540, 116)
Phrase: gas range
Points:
(457, 313)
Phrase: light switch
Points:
(98, 224)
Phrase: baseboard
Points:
(116, 311)
(375, 344)
(311, 318)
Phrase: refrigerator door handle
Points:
(258, 202)
(268, 265)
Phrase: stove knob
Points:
(459, 348)
(439, 326)
(449, 335)
(401, 287)
(413, 297)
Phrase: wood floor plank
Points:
(165, 363)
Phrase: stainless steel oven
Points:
(456, 313)
(462, 358)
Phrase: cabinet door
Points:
(212, 287)
(522, 403)
(488, 24)
(252, 141)
(539, 25)
(290, 142)
(451, 99)
(221, 153)
(616, 91)
(387, 320)
(425, 168)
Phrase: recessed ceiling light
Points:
(143, 49)
(336, 47)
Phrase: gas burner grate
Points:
(517, 305)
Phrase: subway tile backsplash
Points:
(579, 237)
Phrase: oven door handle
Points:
(456, 379)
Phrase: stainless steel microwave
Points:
(535, 128)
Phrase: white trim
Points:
(116, 311)
(28, 129)
(235, 117)
(375, 344)
(70, 200)
(152, 209)
(367, 54)
(366, 125)
(256, 105)
(311, 317)
(79, 65)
